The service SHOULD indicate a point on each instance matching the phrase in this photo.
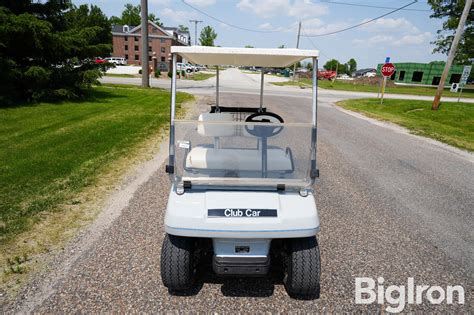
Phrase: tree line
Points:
(47, 48)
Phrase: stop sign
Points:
(388, 69)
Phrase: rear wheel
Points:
(177, 263)
(303, 268)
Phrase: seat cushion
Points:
(238, 159)
(214, 129)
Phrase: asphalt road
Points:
(391, 205)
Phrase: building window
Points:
(401, 77)
(393, 75)
(162, 40)
(126, 57)
(163, 59)
(126, 38)
(163, 49)
(417, 76)
(136, 57)
(126, 47)
(136, 47)
(436, 80)
(149, 58)
(125, 29)
(455, 78)
(136, 38)
(149, 48)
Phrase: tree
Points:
(131, 16)
(335, 65)
(207, 36)
(183, 28)
(281, 46)
(249, 46)
(47, 49)
(451, 10)
(351, 66)
(309, 66)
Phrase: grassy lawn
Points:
(453, 123)
(199, 76)
(349, 86)
(51, 152)
(121, 75)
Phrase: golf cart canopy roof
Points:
(259, 57)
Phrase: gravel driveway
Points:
(391, 205)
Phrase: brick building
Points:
(126, 42)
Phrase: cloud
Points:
(389, 40)
(177, 15)
(201, 3)
(269, 27)
(414, 39)
(159, 2)
(266, 26)
(292, 8)
(317, 27)
(384, 24)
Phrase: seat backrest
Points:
(212, 130)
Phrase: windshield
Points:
(217, 150)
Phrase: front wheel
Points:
(303, 268)
(177, 263)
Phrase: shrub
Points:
(157, 73)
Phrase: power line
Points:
(363, 23)
(232, 25)
(313, 44)
(370, 6)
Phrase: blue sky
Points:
(404, 36)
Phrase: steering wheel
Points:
(264, 131)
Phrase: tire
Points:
(303, 268)
(189, 70)
(177, 263)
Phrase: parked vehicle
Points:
(242, 184)
(370, 74)
(326, 74)
(117, 60)
(99, 61)
(186, 67)
(343, 77)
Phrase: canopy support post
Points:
(217, 89)
(261, 89)
(170, 166)
(314, 134)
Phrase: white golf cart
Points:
(242, 183)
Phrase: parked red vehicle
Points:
(327, 74)
(99, 61)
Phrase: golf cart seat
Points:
(218, 130)
(205, 158)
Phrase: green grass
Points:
(350, 86)
(50, 152)
(453, 123)
(199, 76)
(122, 75)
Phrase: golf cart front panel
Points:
(241, 214)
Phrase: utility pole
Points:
(452, 54)
(297, 46)
(144, 26)
(195, 30)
